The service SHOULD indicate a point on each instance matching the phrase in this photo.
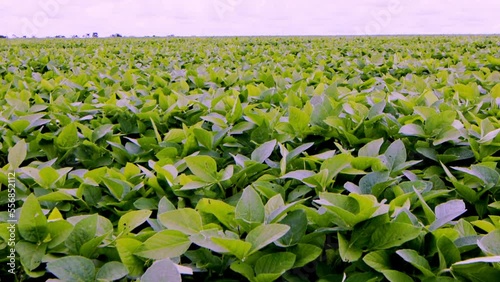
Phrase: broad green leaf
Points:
(131, 220)
(204, 137)
(59, 232)
(244, 269)
(486, 174)
(30, 254)
(164, 269)
(32, 223)
(84, 231)
(490, 244)
(298, 119)
(225, 213)
(73, 268)
(349, 210)
(297, 220)
(236, 247)
(477, 269)
(395, 155)
(378, 260)
(204, 167)
(17, 154)
(204, 239)
(111, 271)
(165, 205)
(305, 253)
(164, 244)
(371, 149)
(393, 234)
(126, 248)
(336, 164)
(68, 138)
(274, 263)
(263, 152)
(185, 220)
(419, 262)
(250, 208)
(374, 183)
(57, 196)
(495, 91)
(264, 235)
(396, 276)
(348, 253)
(448, 252)
(446, 212)
(412, 130)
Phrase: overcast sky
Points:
(248, 17)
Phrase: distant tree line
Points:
(88, 35)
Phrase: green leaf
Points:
(165, 270)
(204, 137)
(263, 152)
(126, 248)
(378, 260)
(477, 269)
(490, 244)
(297, 220)
(448, 252)
(244, 269)
(57, 196)
(412, 130)
(274, 263)
(164, 244)
(395, 154)
(131, 220)
(393, 234)
(446, 212)
(305, 253)
(68, 138)
(374, 183)
(236, 247)
(298, 119)
(31, 255)
(347, 252)
(111, 271)
(17, 154)
(486, 174)
(371, 149)
(250, 209)
(396, 276)
(336, 164)
(349, 210)
(73, 268)
(264, 235)
(419, 262)
(185, 220)
(495, 91)
(204, 167)
(59, 232)
(84, 231)
(32, 224)
(165, 205)
(225, 213)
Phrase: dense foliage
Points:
(225, 159)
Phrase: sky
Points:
(43, 18)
